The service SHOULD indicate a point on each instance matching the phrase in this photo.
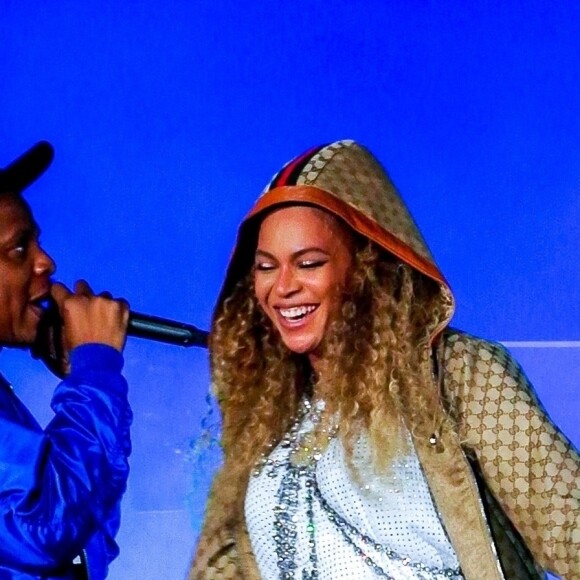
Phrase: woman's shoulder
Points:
(458, 344)
(479, 363)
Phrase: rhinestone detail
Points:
(285, 512)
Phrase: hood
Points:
(345, 179)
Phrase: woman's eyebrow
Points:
(296, 254)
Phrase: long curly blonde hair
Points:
(376, 372)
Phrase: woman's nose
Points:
(287, 282)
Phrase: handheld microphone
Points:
(48, 343)
(165, 330)
(141, 326)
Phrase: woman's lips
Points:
(295, 316)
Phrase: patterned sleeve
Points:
(216, 556)
(528, 464)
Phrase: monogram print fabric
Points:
(353, 175)
(527, 463)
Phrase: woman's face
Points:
(300, 269)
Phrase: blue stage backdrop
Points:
(168, 118)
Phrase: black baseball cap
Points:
(27, 168)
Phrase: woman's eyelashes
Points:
(263, 266)
(307, 264)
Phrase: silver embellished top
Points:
(318, 522)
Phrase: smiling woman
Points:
(362, 436)
(302, 260)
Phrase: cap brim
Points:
(27, 168)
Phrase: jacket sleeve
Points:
(59, 486)
(532, 469)
(216, 556)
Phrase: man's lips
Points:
(38, 303)
(36, 309)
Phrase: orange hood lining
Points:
(354, 218)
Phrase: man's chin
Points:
(21, 343)
(25, 339)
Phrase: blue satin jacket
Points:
(60, 488)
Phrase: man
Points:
(60, 487)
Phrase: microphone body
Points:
(140, 326)
(165, 330)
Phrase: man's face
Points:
(25, 270)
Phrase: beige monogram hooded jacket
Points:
(506, 481)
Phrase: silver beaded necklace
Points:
(303, 474)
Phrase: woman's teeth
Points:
(296, 312)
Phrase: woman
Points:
(362, 437)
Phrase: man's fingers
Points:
(59, 292)
(82, 288)
(126, 309)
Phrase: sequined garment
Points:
(315, 521)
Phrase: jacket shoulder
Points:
(462, 341)
(463, 356)
(474, 370)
